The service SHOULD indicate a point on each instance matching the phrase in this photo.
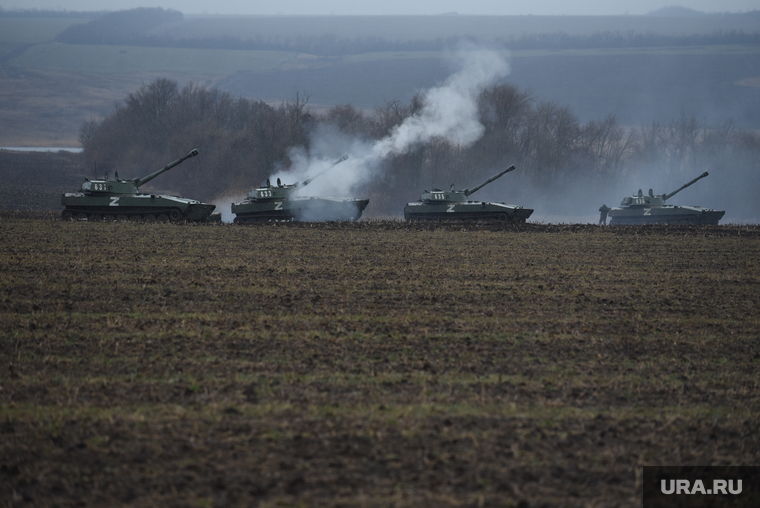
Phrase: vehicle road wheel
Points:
(175, 215)
(81, 216)
(150, 218)
(66, 215)
(135, 218)
(122, 218)
(162, 218)
(95, 217)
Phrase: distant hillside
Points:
(122, 27)
(638, 68)
(675, 11)
(351, 35)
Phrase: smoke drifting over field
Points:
(328, 145)
(449, 111)
(223, 206)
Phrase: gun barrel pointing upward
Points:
(467, 192)
(307, 182)
(146, 179)
(668, 196)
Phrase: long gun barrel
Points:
(307, 182)
(146, 179)
(668, 196)
(467, 192)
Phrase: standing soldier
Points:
(603, 215)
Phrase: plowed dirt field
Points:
(371, 364)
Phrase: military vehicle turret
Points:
(120, 199)
(283, 202)
(651, 209)
(455, 204)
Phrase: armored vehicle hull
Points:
(652, 209)
(469, 210)
(120, 199)
(299, 208)
(667, 214)
(135, 207)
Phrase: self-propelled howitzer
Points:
(121, 199)
(283, 202)
(455, 204)
(652, 209)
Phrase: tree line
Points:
(244, 141)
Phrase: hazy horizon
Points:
(393, 7)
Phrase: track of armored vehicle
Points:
(455, 205)
(119, 199)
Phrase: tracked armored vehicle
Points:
(651, 209)
(120, 199)
(455, 205)
(283, 202)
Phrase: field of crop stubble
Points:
(371, 364)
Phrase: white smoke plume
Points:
(448, 111)
(328, 145)
(223, 206)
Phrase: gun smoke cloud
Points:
(449, 111)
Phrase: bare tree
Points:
(603, 147)
(349, 120)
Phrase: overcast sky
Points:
(358, 7)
